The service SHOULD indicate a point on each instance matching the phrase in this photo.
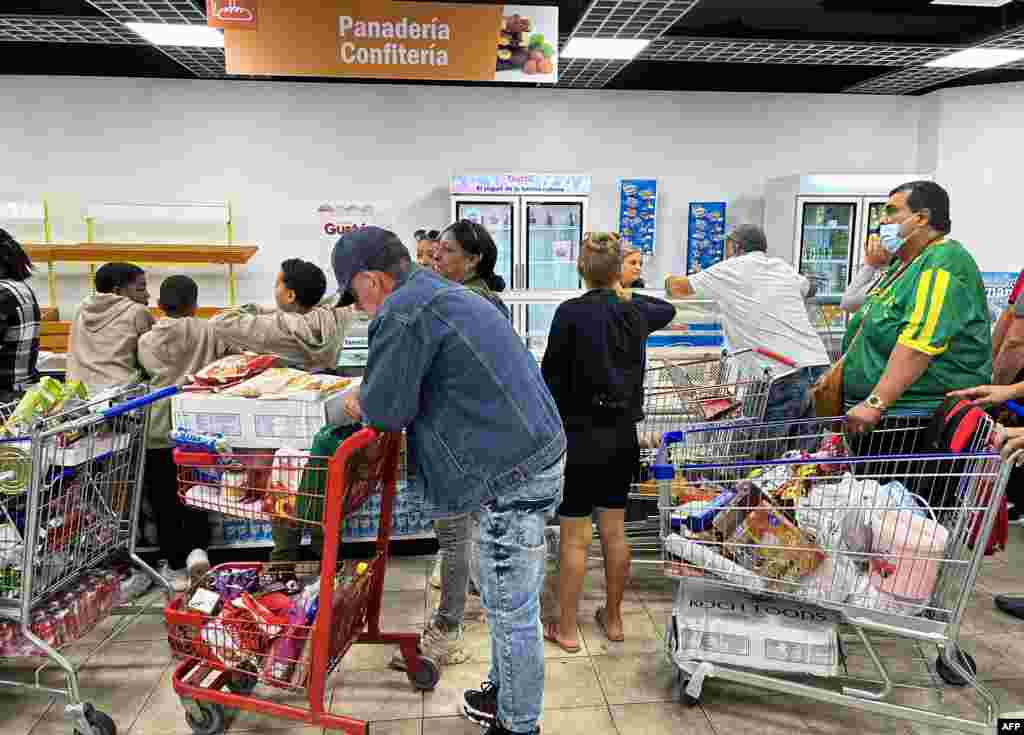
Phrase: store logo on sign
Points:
(231, 13)
(341, 228)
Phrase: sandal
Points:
(551, 635)
(604, 629)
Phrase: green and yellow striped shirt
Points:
(937, 306)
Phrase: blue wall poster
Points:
(638, 206)
(705, 244)
(998, 286)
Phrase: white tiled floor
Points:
(606, 689)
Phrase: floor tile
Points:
(118, 681)
(376, 695)
(772, 716)
(981, 618)
(395, 727)
(450, 726)
(638, 628)
(570, 683)
(633, 679)
(403, 610)
(407, 573)
(660, 717)
(588, 720)
(446, 699)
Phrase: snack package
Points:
(284, 480)
(234, 368)
(772, 546)
(747, 496)
(282, 382)
(192, 440)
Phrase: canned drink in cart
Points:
(70, 603)
(9, 634)
(45, 629)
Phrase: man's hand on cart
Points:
(352, 407)
(862, 418)
(990, 395)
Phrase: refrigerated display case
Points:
(821, 223)
(537, 222)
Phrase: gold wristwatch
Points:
(875, 401)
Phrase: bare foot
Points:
(612, 628)
(552, 634)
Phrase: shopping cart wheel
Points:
(951, 677)
(208, 720)
(427, 675)
(685, 699)
(100, 722)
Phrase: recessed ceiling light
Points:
(974, 3)
(978, 58)
(604, 48)
(179, 34)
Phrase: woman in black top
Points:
(594, 366)
(19, 321)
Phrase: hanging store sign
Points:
(384, 39)
(522, 184)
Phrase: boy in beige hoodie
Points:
(306, 335)
(179, 345)
(106, 330)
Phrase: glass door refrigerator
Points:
(551, 235)
(500, 215)
(827, 228)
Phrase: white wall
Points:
(979, 155)
(279, 150)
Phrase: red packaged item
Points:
(59, 616)
(70, 603)
(234, 368)
(45, 629)
(8, 638)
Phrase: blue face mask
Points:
(889, 236)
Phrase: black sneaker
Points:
(481, 705)
(497, 729)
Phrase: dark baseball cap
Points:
(749, 238)
(363, 249)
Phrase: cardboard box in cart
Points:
(731, 627)
(257, 423)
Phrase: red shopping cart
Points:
(285, 626)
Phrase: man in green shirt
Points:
(924, 329)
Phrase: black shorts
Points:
(599, 469)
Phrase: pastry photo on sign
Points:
(527, 44)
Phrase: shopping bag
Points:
(827, 392)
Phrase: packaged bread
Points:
(234, 368)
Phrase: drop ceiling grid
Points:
(151, 11)
(790, 52)
(42, 29)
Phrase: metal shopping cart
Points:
(689, 392)
(826, 317)
(888, 541)
(70, 493)
(286, 626)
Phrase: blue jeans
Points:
(789, 398)
(512, 556)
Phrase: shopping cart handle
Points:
(1015, 407)
(157, 395)
(775, 356)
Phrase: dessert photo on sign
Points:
(527, 44)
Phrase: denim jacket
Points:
(447, 366)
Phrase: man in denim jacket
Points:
(484, 436)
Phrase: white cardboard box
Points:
(726, 626)
(256, 423)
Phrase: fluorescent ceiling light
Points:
(974, 3)
(179, 34)
(604, 48)
(978, 58)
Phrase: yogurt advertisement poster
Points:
(705, 244)
(638, 207)
(383, 39)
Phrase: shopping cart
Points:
(70, 493)
(731, 387)
(286, 626)
(888, 541)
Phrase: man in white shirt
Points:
(762, 303)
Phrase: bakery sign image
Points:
(231, 13)
(384, 39)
